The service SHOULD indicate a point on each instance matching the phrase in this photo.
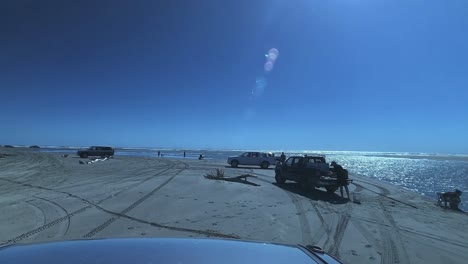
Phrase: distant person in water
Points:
(200, 157)
(342, 176)
(184, 154)
(159, 153)
(283, 157)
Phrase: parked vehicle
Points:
(308, 171)
(96, 151)
(262, 159)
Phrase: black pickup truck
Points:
(96, 151)
(308, 171)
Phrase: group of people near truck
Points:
(304, 164)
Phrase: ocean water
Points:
(423, 173)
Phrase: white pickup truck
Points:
(262, 159)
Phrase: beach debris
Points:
(218, 174)
(93, 161)
(356, 198)
(64, 155)
(450, 198)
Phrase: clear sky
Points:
(377, 75)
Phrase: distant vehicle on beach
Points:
(262, 159)
(308, 171)
(96, 151)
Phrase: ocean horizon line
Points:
(303, 151)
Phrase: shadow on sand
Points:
(313, 194)
(249, 167)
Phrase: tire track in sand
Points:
(134, 204)
(60, 207)
(392, 243)
(324, 228)
(304, 225)
(338, 235)
(67, 217)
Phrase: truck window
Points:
(289, 161)
(296, 162)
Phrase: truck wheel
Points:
(84, 155)
(265, 165)
(234, 163)
(331, 189)
(279, 178)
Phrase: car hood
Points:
(155, 250)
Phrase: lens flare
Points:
(273, 54)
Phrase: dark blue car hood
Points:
(157, 250)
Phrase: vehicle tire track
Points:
(133, 205)
(59, 220)
(301, 213)
(209, 233)
(59, 206)
(391, 251)
(324, 229)
(135, 174)
(44, 218)
(372, 240)
(335, 235)
(338, 236)
(43, 227)
(390, 254)
(154, 224)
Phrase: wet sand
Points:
(44, 197)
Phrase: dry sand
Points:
(44, 197)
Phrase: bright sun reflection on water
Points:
(425, 176)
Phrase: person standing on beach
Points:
(342, 176)
(283, 157)
(184, 153)
(159, 153)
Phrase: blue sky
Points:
(375, 75)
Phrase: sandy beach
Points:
(45, 197)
